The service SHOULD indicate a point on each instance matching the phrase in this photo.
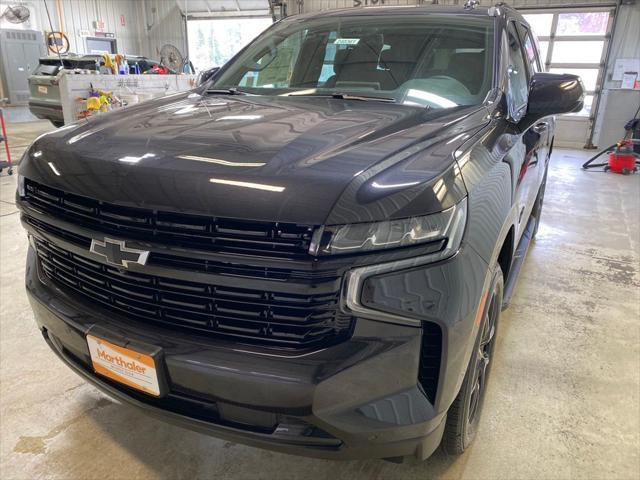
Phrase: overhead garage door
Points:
(574, 41)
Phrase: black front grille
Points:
(430, 355)
(198, 264)
(252, 316)
(268, 239)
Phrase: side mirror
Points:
(205, 76)
(553, 93)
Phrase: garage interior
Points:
(564, 399)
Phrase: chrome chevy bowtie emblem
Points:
(115, 252)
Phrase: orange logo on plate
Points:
(124, 365)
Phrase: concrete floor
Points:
(22, 129)
(562, 403)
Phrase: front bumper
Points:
(357, 399)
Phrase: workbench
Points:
(75, 88)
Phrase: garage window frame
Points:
(552, 39)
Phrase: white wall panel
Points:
(618, 106)
(162, 22)
(77, 15)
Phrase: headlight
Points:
(365, 237)
(447, 226)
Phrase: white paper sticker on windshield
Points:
(346, 41)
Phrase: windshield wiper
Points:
(226, 91)
(346, 96)
(363, 98)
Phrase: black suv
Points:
(309, 252)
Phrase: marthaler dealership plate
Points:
(124, 365)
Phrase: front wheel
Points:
(464, 414)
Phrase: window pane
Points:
(531, 51)
(518, 88)
(589, 75)
(540, 23)
(544, 48)
(588, 105)
(582, 23)
(577, 52)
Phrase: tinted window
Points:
(531, 49)
(439, 61)
(518, 88)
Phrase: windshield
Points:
(438, 61)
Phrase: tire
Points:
(57, 123)
(465, 411)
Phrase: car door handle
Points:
(541, 127)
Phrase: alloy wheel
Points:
(483, 356)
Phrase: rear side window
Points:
(518, 82)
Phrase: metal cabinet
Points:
(21, 51)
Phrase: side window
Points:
(531, 49)
(518, 82)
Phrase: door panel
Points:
(545, 127)
(528, 151)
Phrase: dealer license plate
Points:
(131, 368)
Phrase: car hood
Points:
(303, 160)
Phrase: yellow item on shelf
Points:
(108, 62)
(93, 103)
(104, 103)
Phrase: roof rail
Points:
(495, 10)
